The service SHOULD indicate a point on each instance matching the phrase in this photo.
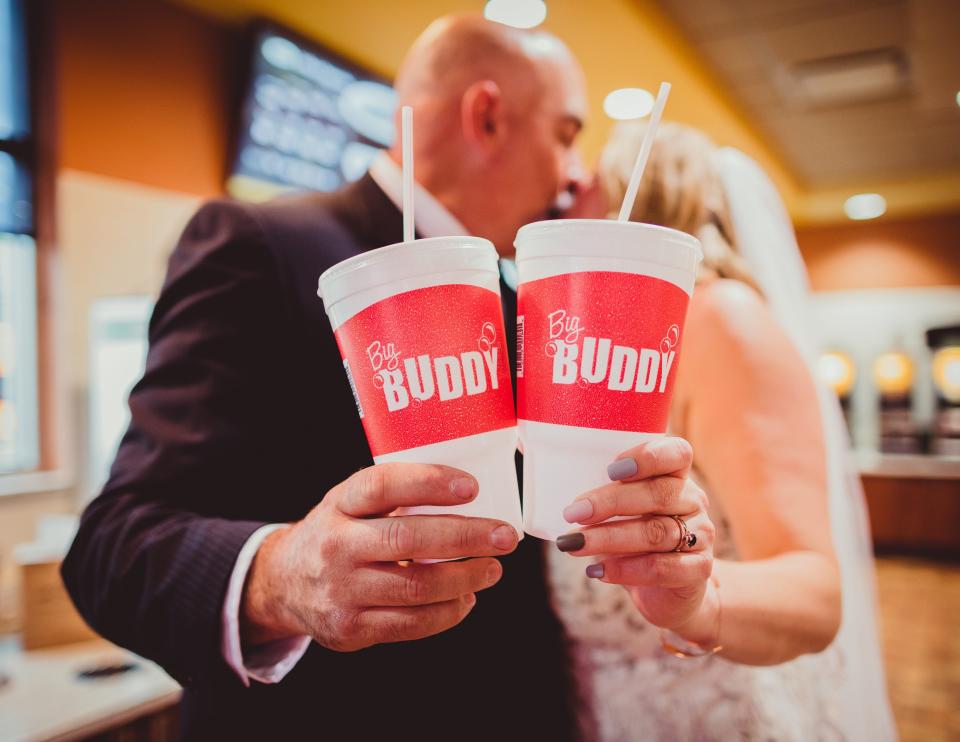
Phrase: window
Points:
(19, 447)
(118, 353)
(18, 354)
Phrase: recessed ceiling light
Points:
(865, 206)
(958, 97)
(516, 13)
(628, 103)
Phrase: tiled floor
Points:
(920, 607)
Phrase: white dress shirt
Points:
(431, 217)
(269, 663)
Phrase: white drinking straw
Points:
(406, 135)
(644, 154)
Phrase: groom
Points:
(237, 544)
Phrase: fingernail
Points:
(622, 469)
(493, 573)
(595, 571)
(504, 537)
(571, 541)
(463, 488)
(577, 511)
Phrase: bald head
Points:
(496, 112)
(455, 51)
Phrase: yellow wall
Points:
(145, 92)
(915, 252)
(620, 43)
(114, 239)
(922, 196)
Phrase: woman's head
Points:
(680, 188)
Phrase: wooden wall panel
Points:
(914, 515)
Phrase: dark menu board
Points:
(311, 120)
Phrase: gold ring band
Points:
(687, 539)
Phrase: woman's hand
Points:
(667, 585)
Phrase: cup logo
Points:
(488, 336)
(564, 329)
(421, 377)
(671, 339)
(610, 346)
(619, 366)
(437, 366)
(381, 355)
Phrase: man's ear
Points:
(481, 114)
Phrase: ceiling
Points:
(640, 47)
(733, 66)
(760, 50)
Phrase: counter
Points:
(43, 697)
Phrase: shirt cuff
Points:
(266, 663)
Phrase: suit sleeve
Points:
(150, 565)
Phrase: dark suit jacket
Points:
(244, 417)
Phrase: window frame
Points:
(55, 471)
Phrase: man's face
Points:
(540, 159)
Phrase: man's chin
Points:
(553, 211)
(505, 246)
(505, 249)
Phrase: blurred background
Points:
(118, 117)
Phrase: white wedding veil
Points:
(764, 238)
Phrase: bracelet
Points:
(673, 643)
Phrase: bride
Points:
(764, 658)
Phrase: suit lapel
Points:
(369, 213)
(376, 221)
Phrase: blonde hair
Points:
(681, 188)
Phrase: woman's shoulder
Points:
(725, 295)
(732, 341)
(725, 312)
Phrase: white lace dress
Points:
(633, 690)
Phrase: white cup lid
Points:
(584, 238)
(402, 261)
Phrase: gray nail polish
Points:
(571, 542)
(595, 571)
(622, 469)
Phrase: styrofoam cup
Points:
(420, 329)
(601, 308)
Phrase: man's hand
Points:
(335, 575)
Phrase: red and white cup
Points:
(420, 329)
(601, 308)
